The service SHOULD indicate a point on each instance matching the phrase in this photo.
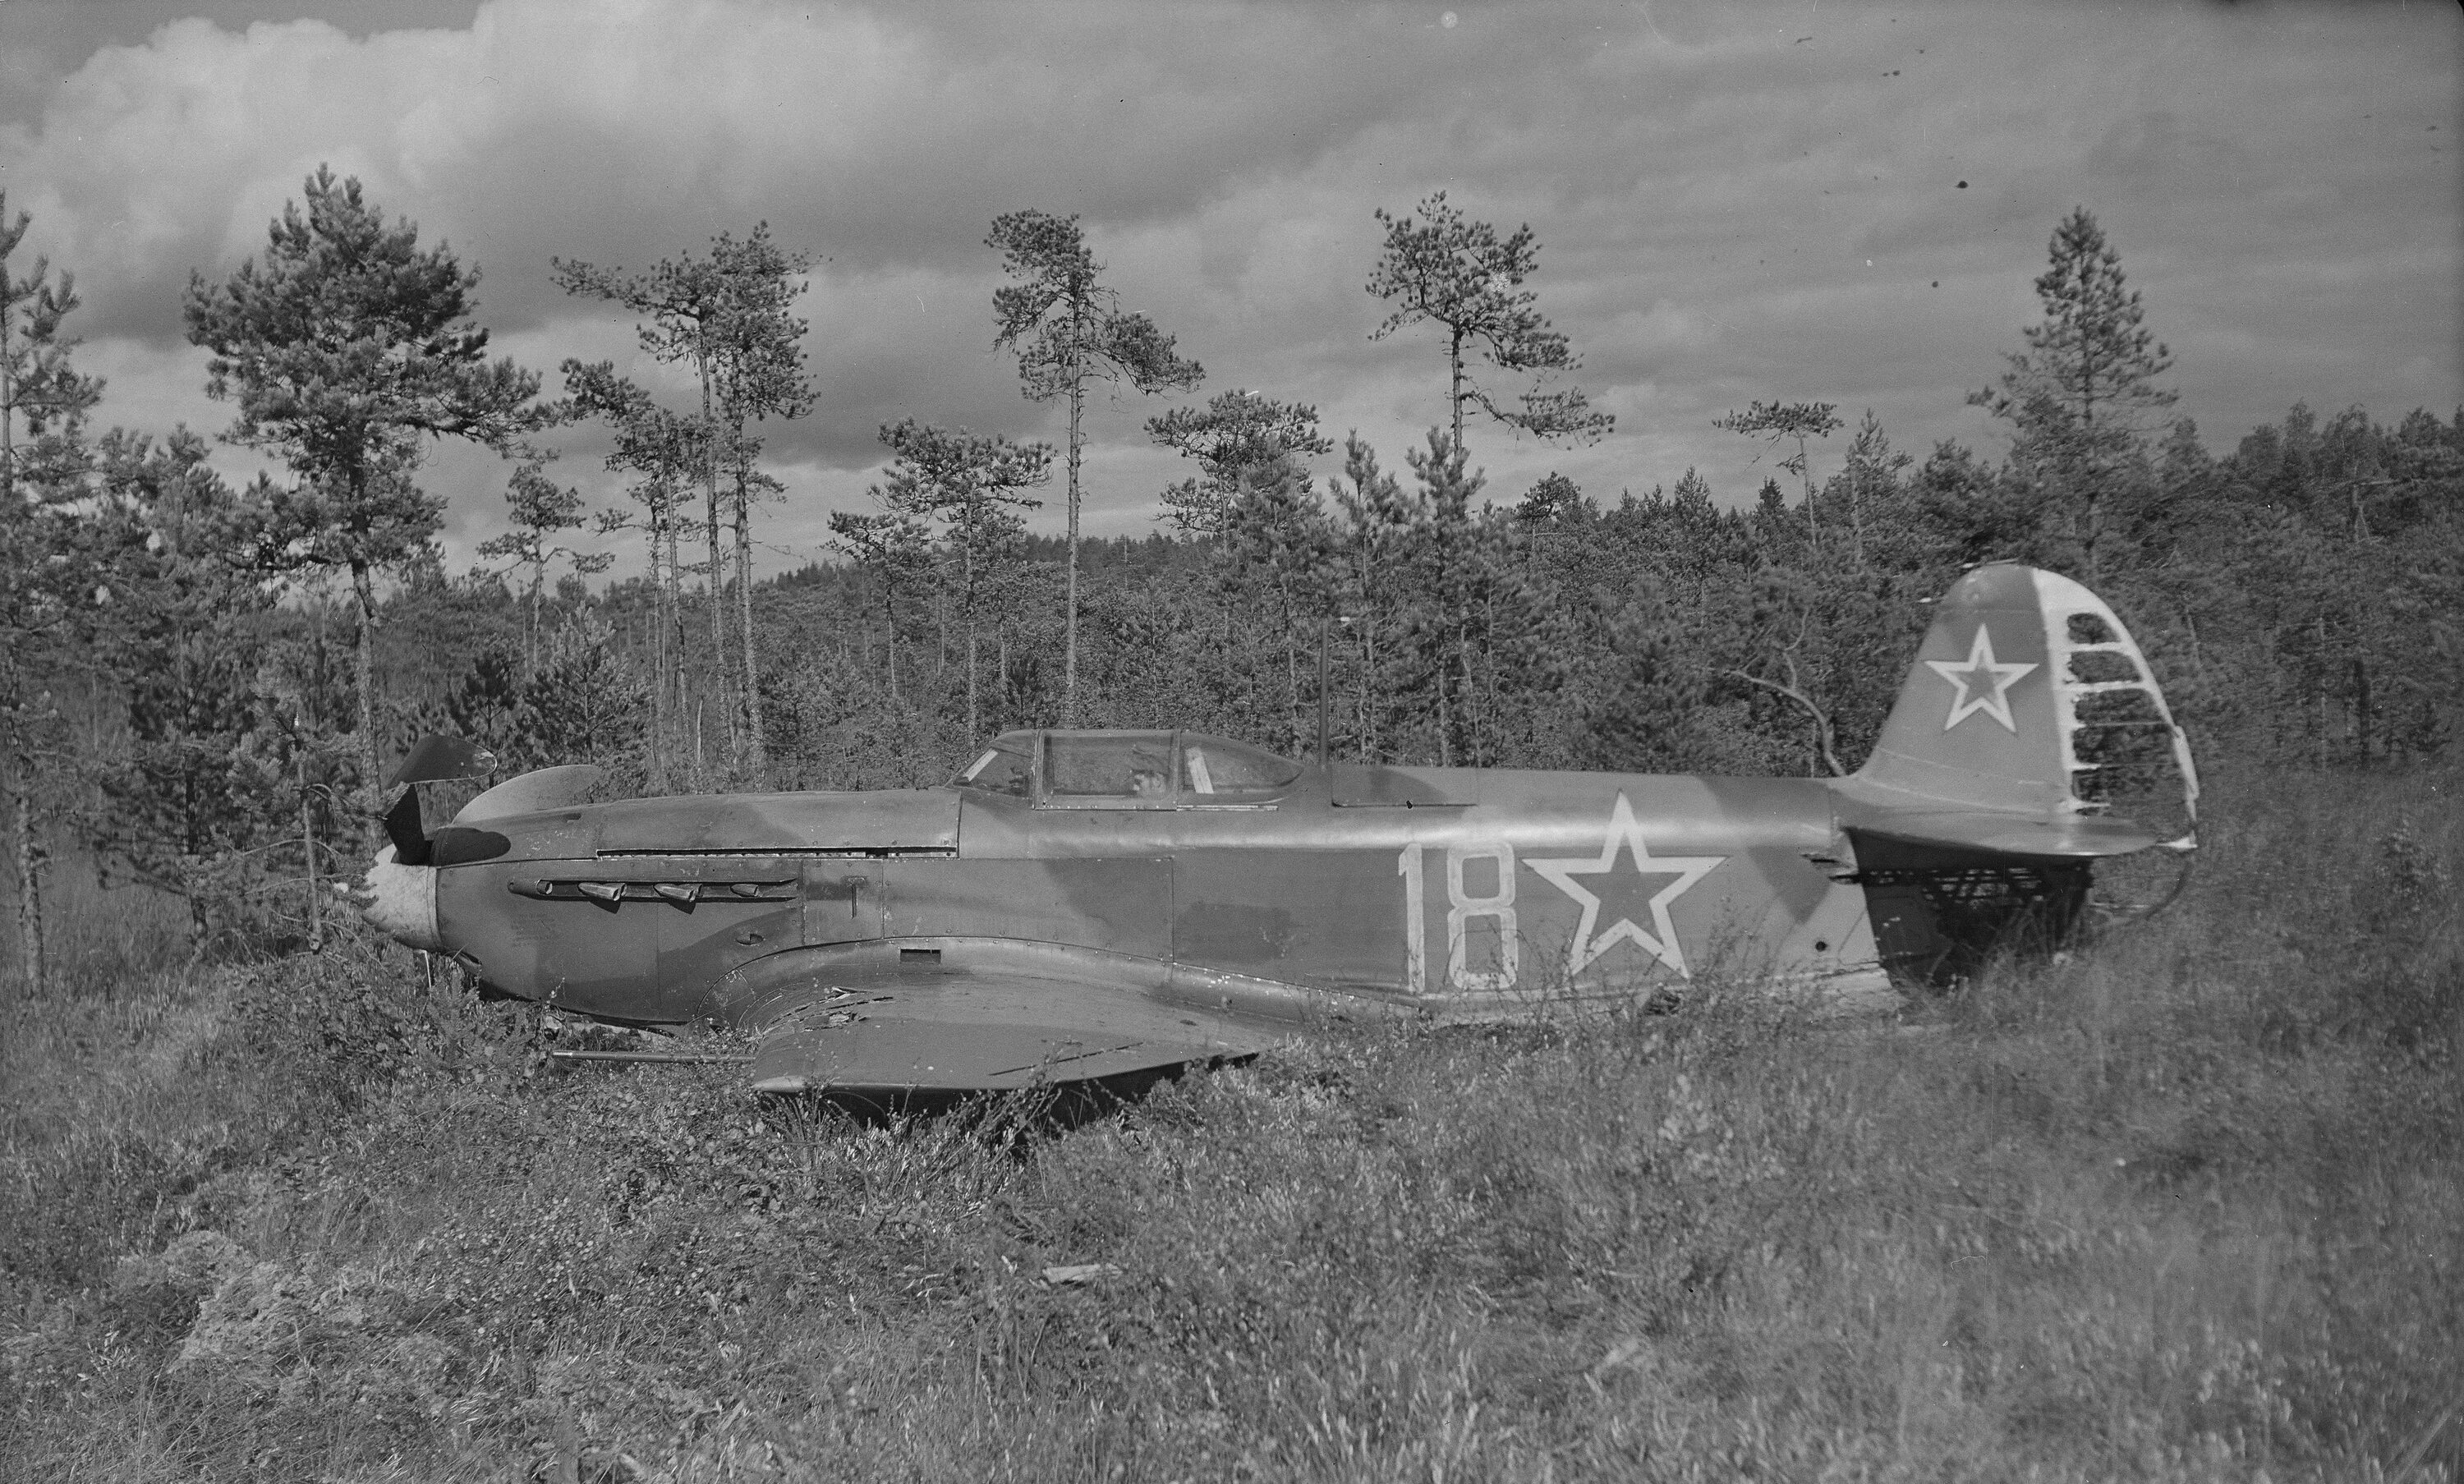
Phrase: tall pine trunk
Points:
(1291, 657)
(33, 959)
(890, 630)
(755, 750)
(1454, 382)
(1069, 646)
(657, 757)
(539, 603)
(363, 592)
(717, 568)
(967, 555)
(681, 705)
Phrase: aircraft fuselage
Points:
(1458, 887)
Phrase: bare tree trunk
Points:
(2094, 514)
(307, 840)
(1069, 646)
(717, 567)
(1454, 385)
(676, 618)
(2094, 523)
(1291, 660)
(2361, 712)
(1488, 652)
(1470, 694)
(539, 598)
(967, 534)
(8, 402)
(755, 749)
(33, 958)
(889, 623)
(658, 751)
(364, 591)
(2321, 691)
(1366, 747)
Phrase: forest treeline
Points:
(201, 685)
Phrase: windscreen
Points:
(1003, 769)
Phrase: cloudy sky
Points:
(1802, 201)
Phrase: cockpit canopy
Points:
(1128, 769)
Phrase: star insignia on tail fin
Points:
(1625, 833)
(1984, 685)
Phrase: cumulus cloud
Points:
(1735, 203)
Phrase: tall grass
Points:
(100, 941)
(2182, 1206)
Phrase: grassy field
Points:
(2183, 1206)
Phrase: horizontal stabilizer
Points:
(1867, 810)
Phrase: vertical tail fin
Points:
(2029, 698)
(2027, 723)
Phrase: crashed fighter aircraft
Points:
(1080, 905)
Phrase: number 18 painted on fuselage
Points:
(1552, 901)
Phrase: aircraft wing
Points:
(893, 1029)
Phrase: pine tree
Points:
(972, 484)
(1461, 277)
(1796, 422)
(2082, 397)
(760, 375)
(1275, 530)
(667, 449)
(1553, 499)
(1868, 487)
(1373, 546)
(1236, 431)
(893, 549)
(1641, 690)
(540, 507)
(727, 315)
(1067, 329)
(584, 704)
(44, 460)
(181, 809)
(344, 348)
(1454, 562)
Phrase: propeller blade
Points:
(437, 757)
(403, 826)
(549, 788)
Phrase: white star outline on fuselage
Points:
(1625, 832)
(1984, 683)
